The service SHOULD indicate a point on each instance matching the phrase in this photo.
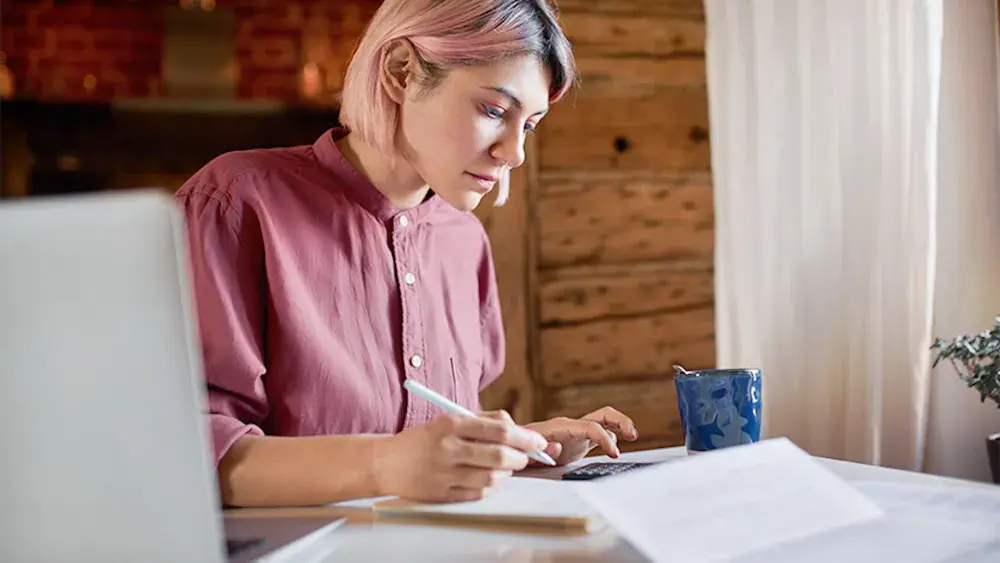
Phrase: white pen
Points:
(451, 407)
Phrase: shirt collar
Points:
(362, 191)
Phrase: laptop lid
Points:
(104, 446)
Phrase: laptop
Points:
(104, 448)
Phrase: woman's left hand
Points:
(572, 439)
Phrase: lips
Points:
(485, 182)
(484, 178)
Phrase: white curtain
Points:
(824, 126)
(856, 160)
(967, 295)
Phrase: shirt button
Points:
(409, 278)
(416, 361)
(403, 221)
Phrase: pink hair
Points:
(447, 34)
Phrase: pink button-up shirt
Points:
(316, 297)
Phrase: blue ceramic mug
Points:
(719, 408)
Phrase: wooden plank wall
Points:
(619, 281)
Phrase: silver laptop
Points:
(104, 450)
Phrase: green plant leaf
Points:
(975, 359)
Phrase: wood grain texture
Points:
(651, 404)
(643, 444)
(680, 9)
(640, 35)
(661, 131)
(622, 349)
(573, 295)
(617, 218)
(634, 77)
(508, 229)
(533, 330)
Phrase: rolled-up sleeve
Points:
(228, 273)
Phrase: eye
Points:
(492, 112)
(530, 127)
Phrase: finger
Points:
(612, 436)
(501, 415)
(489, 456)
(554, 449)
(497, 432)
(615, 420)
(589, 430)
(473, 478)
(464, 494)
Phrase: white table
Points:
(362, 541)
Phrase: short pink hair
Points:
(447, 34)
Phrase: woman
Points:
(327, 274)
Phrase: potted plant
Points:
(976, 359)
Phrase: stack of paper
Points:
(530, 504)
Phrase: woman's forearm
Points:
(278, 471)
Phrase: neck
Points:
(400, 183)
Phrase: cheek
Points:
(447, 139)
(420, 125)
(458, 125)
(466, 135)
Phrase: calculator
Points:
(602, 469)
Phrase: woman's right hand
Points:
(453, 457)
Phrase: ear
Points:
(397, 69)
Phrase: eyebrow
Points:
(506, 92)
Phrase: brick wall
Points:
(100, 49)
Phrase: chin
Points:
(463, 201)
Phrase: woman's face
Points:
(464, 133)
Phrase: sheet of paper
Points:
(520, 496)
(976, 509)
(903, 537)
(728, 504)
(965, 503)
(923, 524)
